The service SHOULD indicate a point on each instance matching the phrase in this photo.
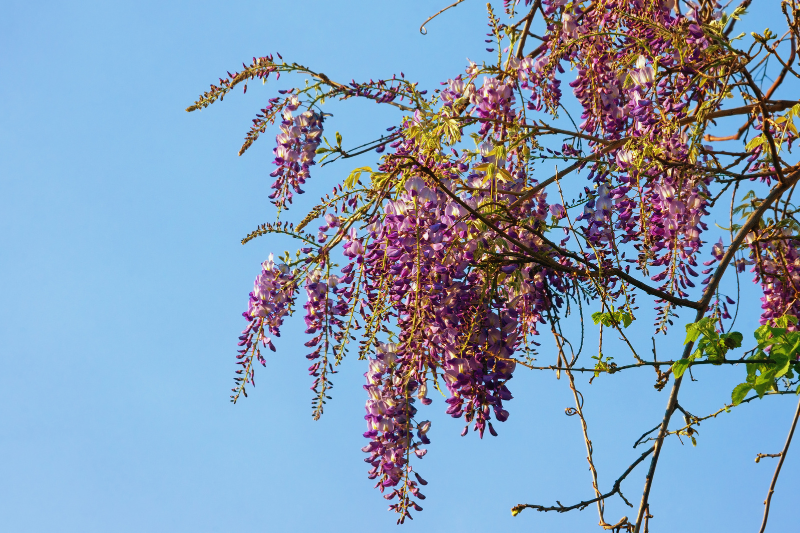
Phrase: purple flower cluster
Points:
(298, 141)
(393, 433)
(425, 261)
(493, 102)
(634, 87)
(777, 267)
(329, 299)
(456, 90)
(271, 300)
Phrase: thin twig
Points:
(641, 440)
(584, 504)
(422, 29)
(695, 421)
(615, 369)
(778, 469)
(588, 443)
(760, 456)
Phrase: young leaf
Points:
(732, 340)
(354, 176)
(679, 367)
(754, 142)
(692, 332)
(739, 392)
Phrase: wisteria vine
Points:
(490, 218)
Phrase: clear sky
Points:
(122, 283)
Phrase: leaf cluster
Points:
(777, 344)
(711, 345)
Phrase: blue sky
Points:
(123, 280)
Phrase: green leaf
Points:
(783, 366)
(692, 333)
(379, 178)
(780, 352)
(732, 340)
(679, 367)
(354, 176)
(754, 142)
(504, 175)
(612, 319)
(703, 327)
(766, 378)
(453, 130)
(752, 368)
(739, 392)
(780, 370)
(761, 388)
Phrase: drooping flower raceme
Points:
(270, 302)
(394, 434)
(297, 145)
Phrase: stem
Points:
(579, 411)
(673, 400)
(529, 19)
(778, 469)
(422, 29)
(588, 443)
(583, 505)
